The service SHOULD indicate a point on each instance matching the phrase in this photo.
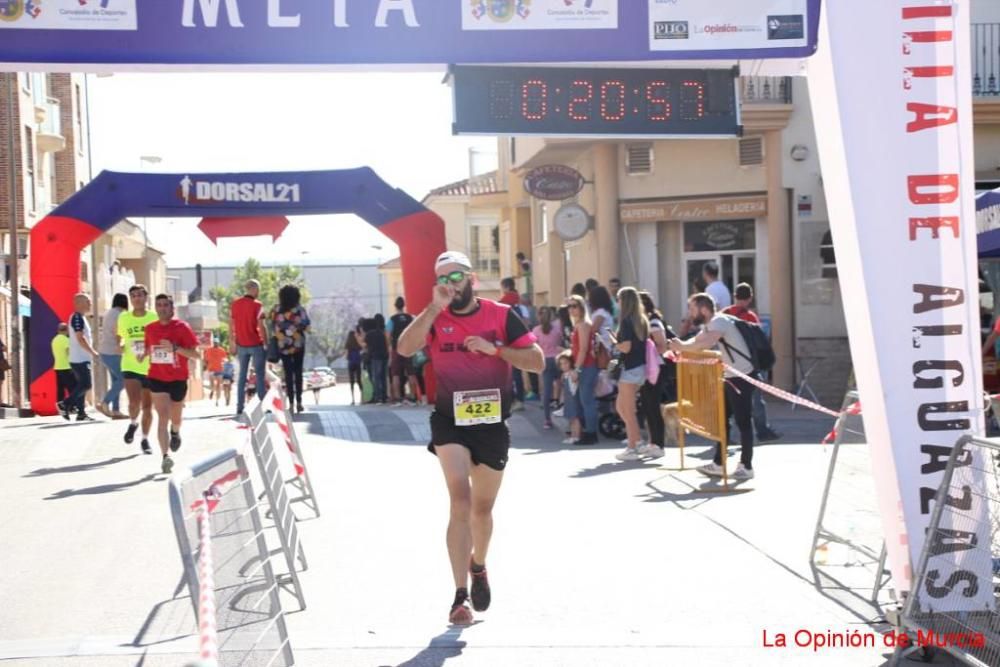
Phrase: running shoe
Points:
(517, 406)
(628, 454)
(64, 409)
(130, 433)
(146, 449)
(587, 439)
(742, 473)
(175, 441)
(480, 590)
(84, 417)
(652, 451)
(547, 426)
(460, 613)
(769, 436)
(167, 465)
(711, 470)
(571, 441)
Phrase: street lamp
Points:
(148, 159)
(378, 263)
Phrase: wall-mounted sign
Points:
(684, 210)
(553, 182)
(597, 100)
(133, 35)
(724, 235)
(572, 222)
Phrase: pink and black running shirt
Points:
(457, 369)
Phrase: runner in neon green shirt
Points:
(132, 336)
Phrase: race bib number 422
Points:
(481, 406)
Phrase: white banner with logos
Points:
(68, 14)
(892, 103)
(539, 14)
(685, 25)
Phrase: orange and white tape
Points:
(207, 632)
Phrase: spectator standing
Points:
(290, 323)
(246, 326)
(630, 340)
(614, 286)
(111, 356)
(741, 309)
(585, 369)
(510, 296)
(377, 347)
(651, 395)
(715, 287)
(524, 264)
(400, 367)
(353, 345)
(549, 335)
(720, 331)
(60, 363)
(569, 388)
(601, 317)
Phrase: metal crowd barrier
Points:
(277, 401)
(250, 623)
(280, 508)
(952, 606)
(701, 401)
(848, 549)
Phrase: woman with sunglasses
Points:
(585, 365)
(474, 346)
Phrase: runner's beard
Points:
(462, 299)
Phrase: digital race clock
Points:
(578, 101)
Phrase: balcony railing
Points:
(986, 59)
(766, 89)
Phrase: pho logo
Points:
(786, 26)
(671, 30)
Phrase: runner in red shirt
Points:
(170, 342)
(473, 345)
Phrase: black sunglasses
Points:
(454, 277)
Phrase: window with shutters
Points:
(29, 167)
(639, 159)
(751, 151)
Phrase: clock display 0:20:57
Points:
(609, 100)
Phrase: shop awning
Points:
(988, 223)
(23, 302)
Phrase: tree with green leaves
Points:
(271, 280)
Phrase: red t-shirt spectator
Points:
(165, 364)
(744, 314)
(246, 312)
(510, 298)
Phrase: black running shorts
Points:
(177, 389)
(138, 377)
(487, 443)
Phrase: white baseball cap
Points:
(452, 257)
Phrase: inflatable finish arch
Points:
(56, 241)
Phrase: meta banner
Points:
(228, 33)
(900, 189)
